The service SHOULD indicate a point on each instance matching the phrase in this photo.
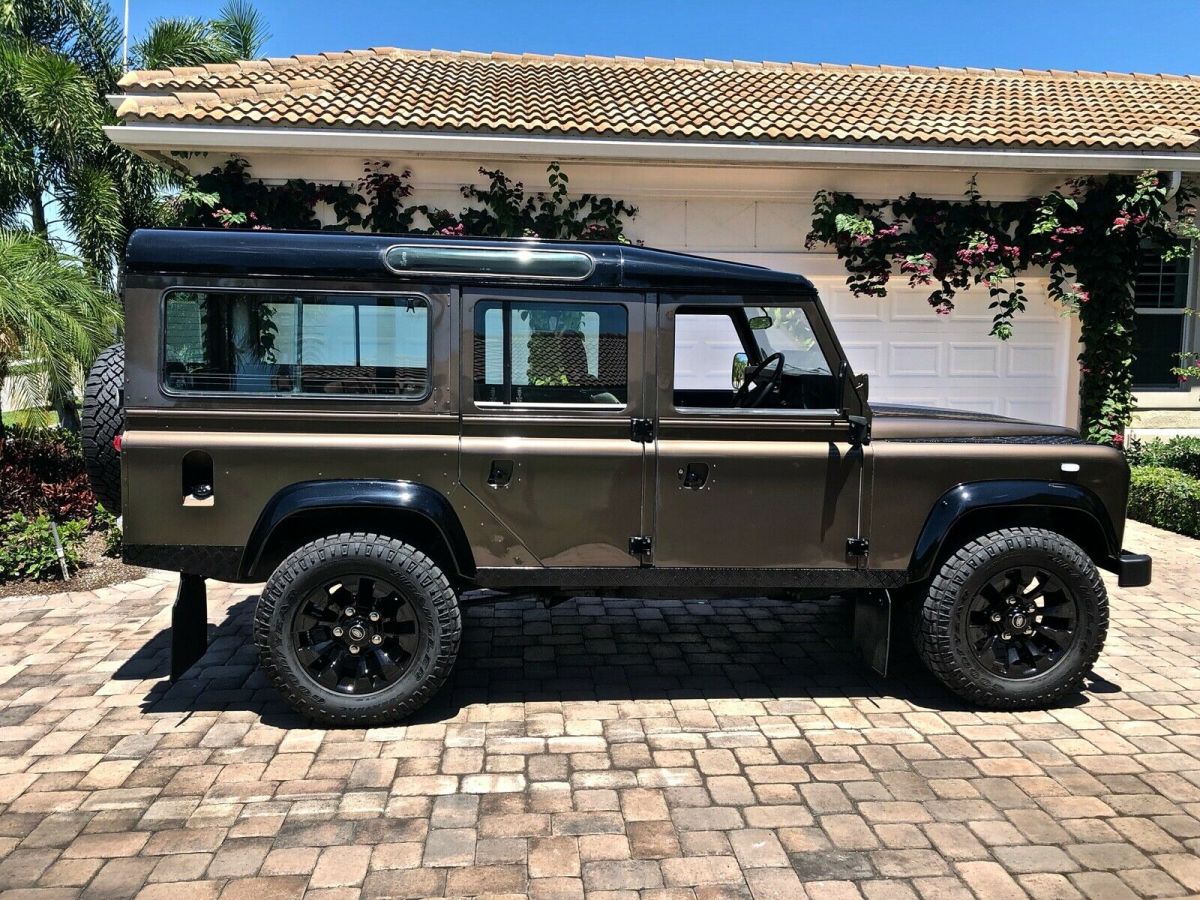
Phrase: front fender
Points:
(962, 499)
(349, 494)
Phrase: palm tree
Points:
(54, 317)
(58, 61)
(238, 32)
(59, 174)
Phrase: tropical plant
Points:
(229, 196)
(238, 32)
(1087, 235)
(59, 59)
(52, 312)
(60, 177)
(29, 550)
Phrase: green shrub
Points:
(1182, 453)
(27, 547)
(1166, 498)
(106, 523)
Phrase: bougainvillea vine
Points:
(1084, 236)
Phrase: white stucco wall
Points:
(761, 214)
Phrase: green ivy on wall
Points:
(1085, 236)
(228, 196)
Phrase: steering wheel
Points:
(746, 398)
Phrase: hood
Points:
(899, 422)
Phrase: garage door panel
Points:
(1033, 361)
(974, 360)
(914, 358)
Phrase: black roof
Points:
(336, 255)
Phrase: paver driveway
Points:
(671, 749)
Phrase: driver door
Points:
(739, 487)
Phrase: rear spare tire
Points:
(357, 629)
(103, 421)
(1014, 620)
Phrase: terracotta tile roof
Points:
(386, 88)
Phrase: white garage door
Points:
(917, 357)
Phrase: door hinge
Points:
(641, 545)
(857, 546)
(641, 430)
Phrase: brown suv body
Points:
(653, 489)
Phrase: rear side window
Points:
(296, 343)
(532, 352)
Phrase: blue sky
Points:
(1142, 36)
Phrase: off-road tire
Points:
(102, 420)
(412, 572)
(944, 651)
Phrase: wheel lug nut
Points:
(995, 617)
(1006, 636)
(374, 617)
(376, 639)
(349, 611)
(1029, 631)
(354, 648)
(1011, 601)
(337, 631)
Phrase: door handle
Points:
(500, 473)
(695, 475)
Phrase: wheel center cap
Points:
(357, 632)
(1018, 620)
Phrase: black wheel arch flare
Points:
(1013, 495)
(365, 495)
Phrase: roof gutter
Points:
(161, 141)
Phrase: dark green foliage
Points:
(229, 197)
(106, 523)
(1165, 498)
(1182, 453)
(1087, 236)
(28, 551)
(41, 470)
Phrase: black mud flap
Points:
(189, 625)
(873, 628)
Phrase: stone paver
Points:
(614, 748)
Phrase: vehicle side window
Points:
(715, 346)
(296, 343)
(533, 352)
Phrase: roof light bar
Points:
(500, 262)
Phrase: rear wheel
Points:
(103, 420)
(1014, 620)
(357, 629)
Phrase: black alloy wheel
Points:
(1022, 622)
(355, 635)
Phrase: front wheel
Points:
(357, 629)
(1014, 620)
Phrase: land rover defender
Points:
(379, 425)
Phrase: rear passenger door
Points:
(550, 382)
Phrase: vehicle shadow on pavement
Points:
(590, 649)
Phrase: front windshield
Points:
(791, 334)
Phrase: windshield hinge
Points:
(857, 546)
(641, 430)
(643, 546)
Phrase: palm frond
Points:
(52, 311)
(242, 29)
(179, 42)
(97, 37)
(60, 101)
(91, 206)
